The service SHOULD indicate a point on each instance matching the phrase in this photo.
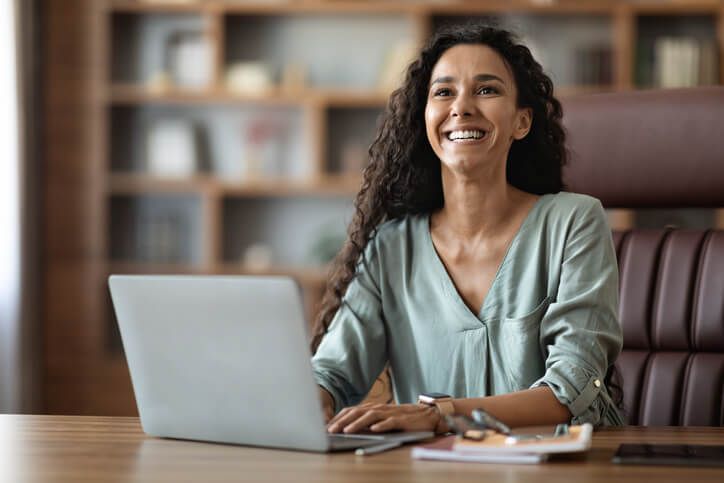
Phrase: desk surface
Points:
(79, 449)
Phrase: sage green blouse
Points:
(549, 318)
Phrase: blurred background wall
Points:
(22, 365)
(228, 137)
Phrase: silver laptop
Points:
(225, 359)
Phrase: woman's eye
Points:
(442, 92)
(488, 90)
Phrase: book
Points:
(444, 450)
(499, 448)
(578, 440)
(679, 62)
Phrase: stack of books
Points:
(684, 62)
(594, 66)
(498, 448)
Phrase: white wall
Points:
(10, 254)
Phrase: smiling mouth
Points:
(466, 136)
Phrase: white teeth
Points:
(465, 135)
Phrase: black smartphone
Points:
(670, 454)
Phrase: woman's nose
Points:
(462, 106)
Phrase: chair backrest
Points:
(654, 149)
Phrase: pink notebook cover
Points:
(444, 450)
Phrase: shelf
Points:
(711, 7)
(484, 8)
(131, 94)
(139, 268)
(139, 6)
(262, 7)
(351, 97)
(419, 8)
(323, 186)
(129, 184)
(339, 97)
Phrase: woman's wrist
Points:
(441, 427)
(442, 404)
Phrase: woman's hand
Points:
(385, 417)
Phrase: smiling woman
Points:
(472, 117)
(466, 268)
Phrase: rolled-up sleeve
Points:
(353, 352)
(580, 335)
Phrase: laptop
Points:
(226, 359)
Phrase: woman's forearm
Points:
(327, 403)
(531, 407)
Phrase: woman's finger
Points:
(346, 416)
(408, 417)
(390, 424)
(365, 420)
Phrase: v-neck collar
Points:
(449, 285)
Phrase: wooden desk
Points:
(79, 449)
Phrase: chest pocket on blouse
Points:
(522, 356)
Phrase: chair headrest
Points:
(647, 149)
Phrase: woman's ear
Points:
(524, 120)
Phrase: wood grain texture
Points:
(83, 449)
(720, 42)
(71, 176)
(624, 35)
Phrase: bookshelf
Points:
(208, 220)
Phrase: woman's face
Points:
(471, 115)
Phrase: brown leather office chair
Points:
(661, 149)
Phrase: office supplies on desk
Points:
(560, 433)
(466, 427)
(370, 450)
(494, 448)
(578, 440)
(444, 450)
(489, 421)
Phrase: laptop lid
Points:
(220, 358)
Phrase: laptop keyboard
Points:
(354, 437)
(350, 441)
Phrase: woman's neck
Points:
(477, 208)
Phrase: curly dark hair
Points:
(404, 174)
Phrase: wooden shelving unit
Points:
(128, 184)
(115, 187)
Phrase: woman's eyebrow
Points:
(444, 79)
(488, 77)
(477, 78)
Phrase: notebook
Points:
(225, 359)
(578, 439)
(444, 450)
(499, 448)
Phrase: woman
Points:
(466, 267)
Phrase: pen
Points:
(378, 448)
